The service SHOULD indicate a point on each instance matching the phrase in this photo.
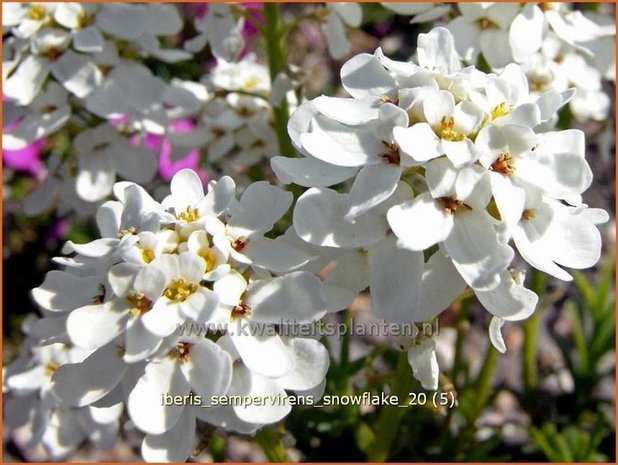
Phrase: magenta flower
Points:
(26, 159)
(161, 146)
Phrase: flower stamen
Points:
(504, 164)
(189, 215)
(179, 290)
(528, 215)
(241, 311)
(239, 244)
(500, 110)
(138, 302)
(447, 131)
(451, 204)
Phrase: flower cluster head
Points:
(179, 298)
(447, 162)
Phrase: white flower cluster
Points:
(449, 168)
(183, 299)
(558, 47)
(75, 71)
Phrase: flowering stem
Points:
(270, 442)
(531, 334)
(484, 382)
(274, 34)
(531, 340)
(391, 415)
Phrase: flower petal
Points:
(175, 445)
(337, 144)
(310, 172)
(420, 223)
(208, 370)
(395, 281)
(249, 383)
(318, 219)
(294, 298)
(79, 384)
(373, 184)
(495, 334)
(263, 354)
(93, 326)
(422, 358)
(260, 207)
(509, 301)
(364, 76)
(474, 248)
(311, 361)
(145, 403)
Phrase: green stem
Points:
(391, 415)
(462, 326)
(484, 382)
(345, 341)
(274, 34)
(270, 442)
(531, 342)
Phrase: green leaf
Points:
(364, 437)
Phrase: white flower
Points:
(46, 114)
(80, 18)
(193, 364)
(131, 90)
(484, 27)
(423, 12)
(517, 159)
(103, 153)
(245, 75)
(309, 362)
(221, 30)
(248, 309)
(333, 26)
(453, 213)
(26, 18)
(182, 296)
(550, 233)
(422, 358)
(447, 130)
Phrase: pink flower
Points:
(26, 159)
(160, 145)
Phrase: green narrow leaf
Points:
(364, 437)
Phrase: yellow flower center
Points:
(504, 164)
(539, 82)
(147, 255)
(500, 110)
(447, 130)
(127, 232)
(250, 83)
(36, 12)
(210, 258)
(51, 368)
(486, 23)
(452, 205)
(528, 215)
(189, 215)
(84, 20)
(138, 303)
(179, 290)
